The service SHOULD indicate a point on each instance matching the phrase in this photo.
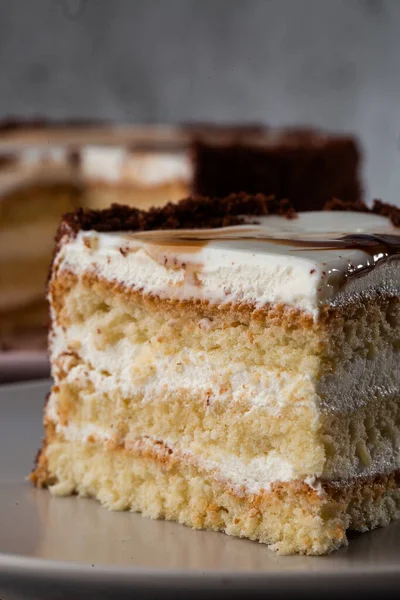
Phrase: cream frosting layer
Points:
(273, 267)
(145, 169)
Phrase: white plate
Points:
(73, 546)
(20, 365)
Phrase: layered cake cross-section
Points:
(230, 365)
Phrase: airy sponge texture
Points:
(164, 408)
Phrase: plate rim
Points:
(17, 564)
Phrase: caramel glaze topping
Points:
(194, 221)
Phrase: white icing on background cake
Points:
(40, 156)
(118, 164)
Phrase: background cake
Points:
(50, 168)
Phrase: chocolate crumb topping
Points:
(387, 210)
(379, 208)
(195, 212)
(345, 205)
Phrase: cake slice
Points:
(230, 365)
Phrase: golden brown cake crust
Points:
(278, 314)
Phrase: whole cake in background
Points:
(50, 168)
(229, 364)
(308, 167)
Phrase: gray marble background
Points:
(328, 63)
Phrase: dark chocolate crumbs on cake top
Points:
(336, 204)
(191, 213)
(387, 210)
(379, 208)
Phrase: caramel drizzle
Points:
(379, 247)
(370, 243)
